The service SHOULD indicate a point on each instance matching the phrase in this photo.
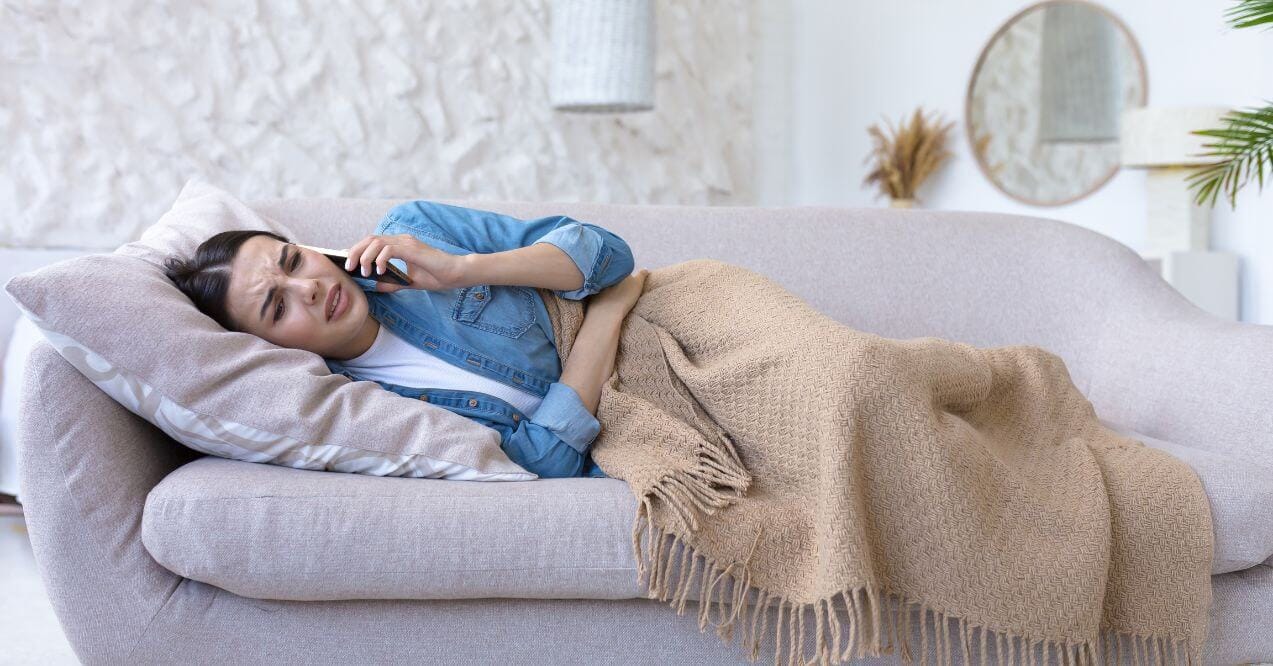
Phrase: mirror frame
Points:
(976, 70)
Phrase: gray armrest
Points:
(87, 465)
(1170, 370)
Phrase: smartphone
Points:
(392, 274)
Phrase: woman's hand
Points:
(427, 266)
(617, 300)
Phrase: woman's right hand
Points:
(618, 299)
(427, 266)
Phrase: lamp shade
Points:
(1160, 136)
(602, 55)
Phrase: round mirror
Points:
(1045, 98)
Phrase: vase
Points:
(901, 203)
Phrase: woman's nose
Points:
(311, 290)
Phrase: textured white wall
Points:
(859, 60)
(108, 106)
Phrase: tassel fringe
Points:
(866, 620)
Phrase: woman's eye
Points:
(280, 308)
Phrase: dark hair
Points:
(205, 278)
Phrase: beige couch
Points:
(153, 553)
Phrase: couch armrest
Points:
(1168, 369)
(86, 465)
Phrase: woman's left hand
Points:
(427, 266)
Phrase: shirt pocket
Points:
(501, 309)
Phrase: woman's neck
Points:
(364, 338)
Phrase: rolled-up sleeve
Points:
(554, 442)
(602, 257)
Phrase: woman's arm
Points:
(591, 359)
(539, 265)
(554, 442)
(600, 257)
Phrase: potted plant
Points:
(1245, 145)
(905, 156)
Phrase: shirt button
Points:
(517, 417)
(424, 398)
(472, 402)
(479, 296)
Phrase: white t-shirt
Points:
(394, 360)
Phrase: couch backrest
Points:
(986, 279)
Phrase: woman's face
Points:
(285, 294)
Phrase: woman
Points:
(469, 334)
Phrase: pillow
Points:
(15, 260)
(120, 321)
(24, 337)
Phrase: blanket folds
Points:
(866, 489)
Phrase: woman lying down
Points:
(472, 292)
(821, 467)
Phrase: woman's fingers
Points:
(362, 254)
(372, 254)
(382, 259)
(355, 251)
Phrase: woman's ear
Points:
(387, 288)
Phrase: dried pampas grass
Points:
(904, 157)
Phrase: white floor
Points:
(29, 631)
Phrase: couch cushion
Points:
(271, 532)
(1241, 497)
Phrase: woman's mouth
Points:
(338, 304)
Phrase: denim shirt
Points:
(500, 331)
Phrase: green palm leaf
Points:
(1244, 149)
(1247, 13)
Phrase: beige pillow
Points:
(120, 321)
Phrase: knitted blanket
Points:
(922, 495)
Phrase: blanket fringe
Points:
(717, 480)
(864, 620)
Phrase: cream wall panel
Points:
(109, 106)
